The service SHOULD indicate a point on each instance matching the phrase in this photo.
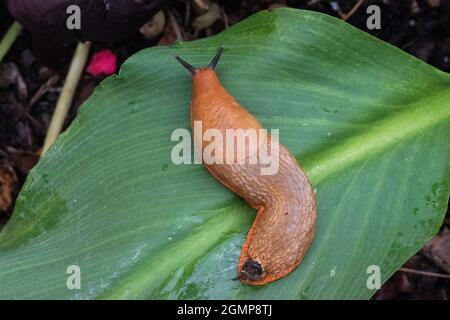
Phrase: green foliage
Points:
(369, 123)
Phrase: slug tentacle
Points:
(193, 70)
(216, 59)
(187, 65)
(286, 219)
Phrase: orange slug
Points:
(285, 222)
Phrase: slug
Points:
(285, 222)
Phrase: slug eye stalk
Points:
(193, 70)
(216, 58)
(187, 65)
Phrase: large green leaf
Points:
(369, 123)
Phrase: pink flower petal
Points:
(103, 62)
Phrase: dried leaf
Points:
(208, 19)
(101, 21)
(8, 179)
(155, 26)
(438, 250)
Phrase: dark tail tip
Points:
(193, 70)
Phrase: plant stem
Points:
(174, 25)
(425, 273)
(68, 91)
(9, 38)
(347, 16)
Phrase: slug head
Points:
(193, 70)
(252, 271)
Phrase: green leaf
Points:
(369, 123)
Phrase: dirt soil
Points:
(29, 91)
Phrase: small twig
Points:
(33, 121)
(21, 109)
(425, 273)
(348, 15)
(187, 14)
(312, 2)
(201, 5)
(9, 38)
(25, 111)
(43, 90)
(68, 91)
(225, 19)
(195, 35)
(175, 26)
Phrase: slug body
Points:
(285, 202)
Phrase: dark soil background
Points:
(420, 27)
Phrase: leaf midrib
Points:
(379, 136)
